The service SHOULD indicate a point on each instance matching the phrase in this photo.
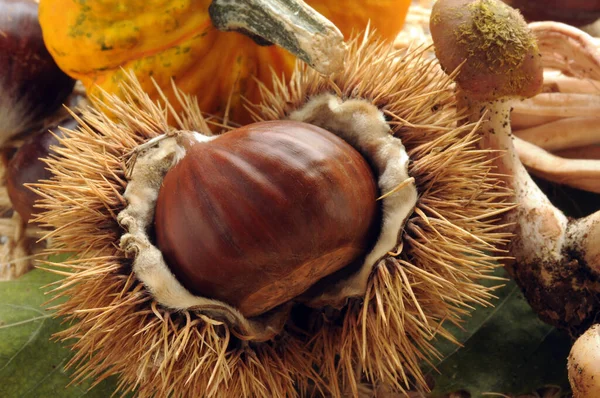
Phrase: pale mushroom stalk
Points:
(563, 133)
(499, 63)
(567, 48)
(578, 173)
(560, 104)
(582, 152)
(520, 121)
(557, 81)
(562, 117)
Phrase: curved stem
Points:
(521, 121)
(584, 152)
(556, 81)
(563, 133)
(291, 24)
(568, 49)
(560, 104)
(576, 173)
(553, 257)
(538, 225)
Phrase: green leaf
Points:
(30, 364)
(506, 349)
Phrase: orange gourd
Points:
(97, 41)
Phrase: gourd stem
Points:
(291, 24)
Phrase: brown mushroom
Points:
(499, 62)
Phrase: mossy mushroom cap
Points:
(493, 46)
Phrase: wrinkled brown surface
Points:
(26, 167)
(29, 77)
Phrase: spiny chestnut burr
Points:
(180, 344)
(256, 216)
(32, 86)
(26, 167)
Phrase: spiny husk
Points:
(448, 245)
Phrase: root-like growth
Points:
(563, 133)
(578, 173)
(583, 152)
(560, 277)
(560, 104)
(557, 81)
(553, 258)
(568, 49)
(449, 243)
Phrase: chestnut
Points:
(26, 167)
(255, 216)
(32, 86)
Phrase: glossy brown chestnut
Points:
(256, 216)
(31, 84)
(26, 167)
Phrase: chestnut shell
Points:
(256, 216)
(26, 167)
(29, 77)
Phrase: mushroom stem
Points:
(549, 259)
(539, 226)
(555, 260)
(584, 152)
(556, 81)
(576, 173)
(520, 121)
(568, 49)
(585, 235)
(560, 104)
(563, 133)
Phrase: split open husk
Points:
(451, 241)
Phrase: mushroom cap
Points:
(493, 46)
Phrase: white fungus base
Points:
(584, 364)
